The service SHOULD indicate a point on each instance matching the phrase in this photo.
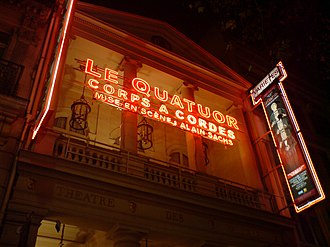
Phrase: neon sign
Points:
(159, 105)
(303, 183)
(62, 37)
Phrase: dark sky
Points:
(156, 9)
(305, 43)
(171, 11)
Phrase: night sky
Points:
(302, 29)
(174, 12)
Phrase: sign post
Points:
(304, 185)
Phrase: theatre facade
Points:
(139, 137)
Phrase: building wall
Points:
(24, 26)
(98, 188)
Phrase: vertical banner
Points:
(301, 177)
(62, 38)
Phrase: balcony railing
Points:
(112, 159)
(10, 74)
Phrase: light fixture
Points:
(79, 112)
(145, 131)
(80, 109)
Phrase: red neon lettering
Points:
(231, 134)
(89, 69)
(195, 130)
(232, 122)
(99, 96)
(92, 83)
(212, 127)
(134, 97)
(134, 108)
(122, 93)
(143, 111)
(118, 103)
(141, 86)
(189, 104)
(145, 102)
(163, 109)
(179, 114)
(193, 122)
(222, 131)
(227, 142)
(108, 89)
(218, 116)
(202, 123)
(191, 119)
(109, 99)
(200, 110)
(176, 101)
(111, 75)
(165, 94)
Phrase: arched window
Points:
(179, 158)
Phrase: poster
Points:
(297, 165)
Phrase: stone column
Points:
(21, 228)
(123, 237)
(129, 119)
(194, 141)
(246, 153)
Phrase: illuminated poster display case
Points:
(301, 177)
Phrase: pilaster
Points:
(194, 142)
(20, 227)
(126, 236)
(129, 119)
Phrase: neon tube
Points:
(55, 72)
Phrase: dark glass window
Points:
(4, 41)
(175, 157)
(60, 122)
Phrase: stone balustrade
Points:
(114, 160)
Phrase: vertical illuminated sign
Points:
(301, 177)
(58, 59)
